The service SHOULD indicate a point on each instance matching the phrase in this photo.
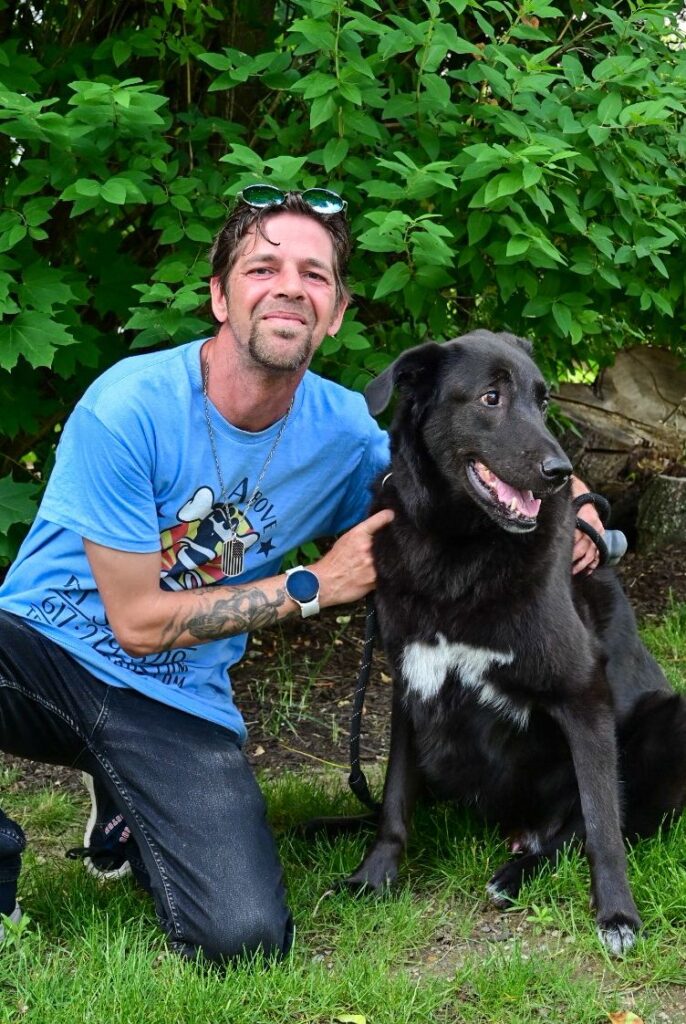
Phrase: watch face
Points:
(302, 585)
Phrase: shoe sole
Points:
(91, 868)
(14, 917)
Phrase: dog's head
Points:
(476, 406)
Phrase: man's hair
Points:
(244, 218)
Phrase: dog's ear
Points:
(413, 370)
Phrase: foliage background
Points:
(521, 166)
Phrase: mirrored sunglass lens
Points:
(323, 201)
(262, 195)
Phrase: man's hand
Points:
(585, 557)
(346, 572)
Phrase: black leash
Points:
(357, 779)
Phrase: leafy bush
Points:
(520, 166)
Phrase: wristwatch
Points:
(302, 586)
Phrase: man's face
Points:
(280, 299)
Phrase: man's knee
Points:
(246, 932)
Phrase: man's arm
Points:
(146, 619)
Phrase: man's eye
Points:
(491, 398)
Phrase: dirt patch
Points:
(295, 687)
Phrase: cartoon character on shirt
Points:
(191, 551)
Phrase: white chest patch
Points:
(425, 667)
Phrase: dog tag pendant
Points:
(232, 557)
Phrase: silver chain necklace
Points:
(233, 548)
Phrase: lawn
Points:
(432, 950)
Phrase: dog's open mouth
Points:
(519, 508)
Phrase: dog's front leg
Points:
(590, 732)
(380, 866)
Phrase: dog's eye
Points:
(491, 398)
(544, 405)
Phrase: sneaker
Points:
(14, 917)
(105, 841)
(12, 844)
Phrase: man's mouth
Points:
(284, 315)
(517, 506)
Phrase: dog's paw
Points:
(618, 934)
(500, 898)
(504, 885)
(372, 876)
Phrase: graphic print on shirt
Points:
(191, 551)
(78, 613)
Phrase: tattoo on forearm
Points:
(245, 610)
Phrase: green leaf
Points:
(351, 93)
(114, 191)
(335, 151)
(121, 51)
(599, 133)
(181, 203)
(563, 317)
(502, 185)
(610, 107)
(18, 502)
(87, 187)
(286, 167)
(323, 108)
(517, 246)
(659, 265)
(198, 232)
(171, 272)
(244, 157)
(395, 278)
(34, 336)
(574, 70)
(217, 61)
(9, 239)
(317, 84)
(478, 225)
(43, 287)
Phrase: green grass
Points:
(432, 950)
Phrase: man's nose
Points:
(289, 282)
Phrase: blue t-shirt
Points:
(135, 472)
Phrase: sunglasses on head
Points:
(321, 200)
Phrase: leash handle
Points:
(612, 544)
(601, 504)
(357, 779)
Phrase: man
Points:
(182, 479)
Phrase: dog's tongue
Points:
(524, 501)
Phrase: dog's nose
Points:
(556, 469)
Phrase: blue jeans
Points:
(183, 784)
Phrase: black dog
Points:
(517, 689)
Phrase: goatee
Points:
(267, 353)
